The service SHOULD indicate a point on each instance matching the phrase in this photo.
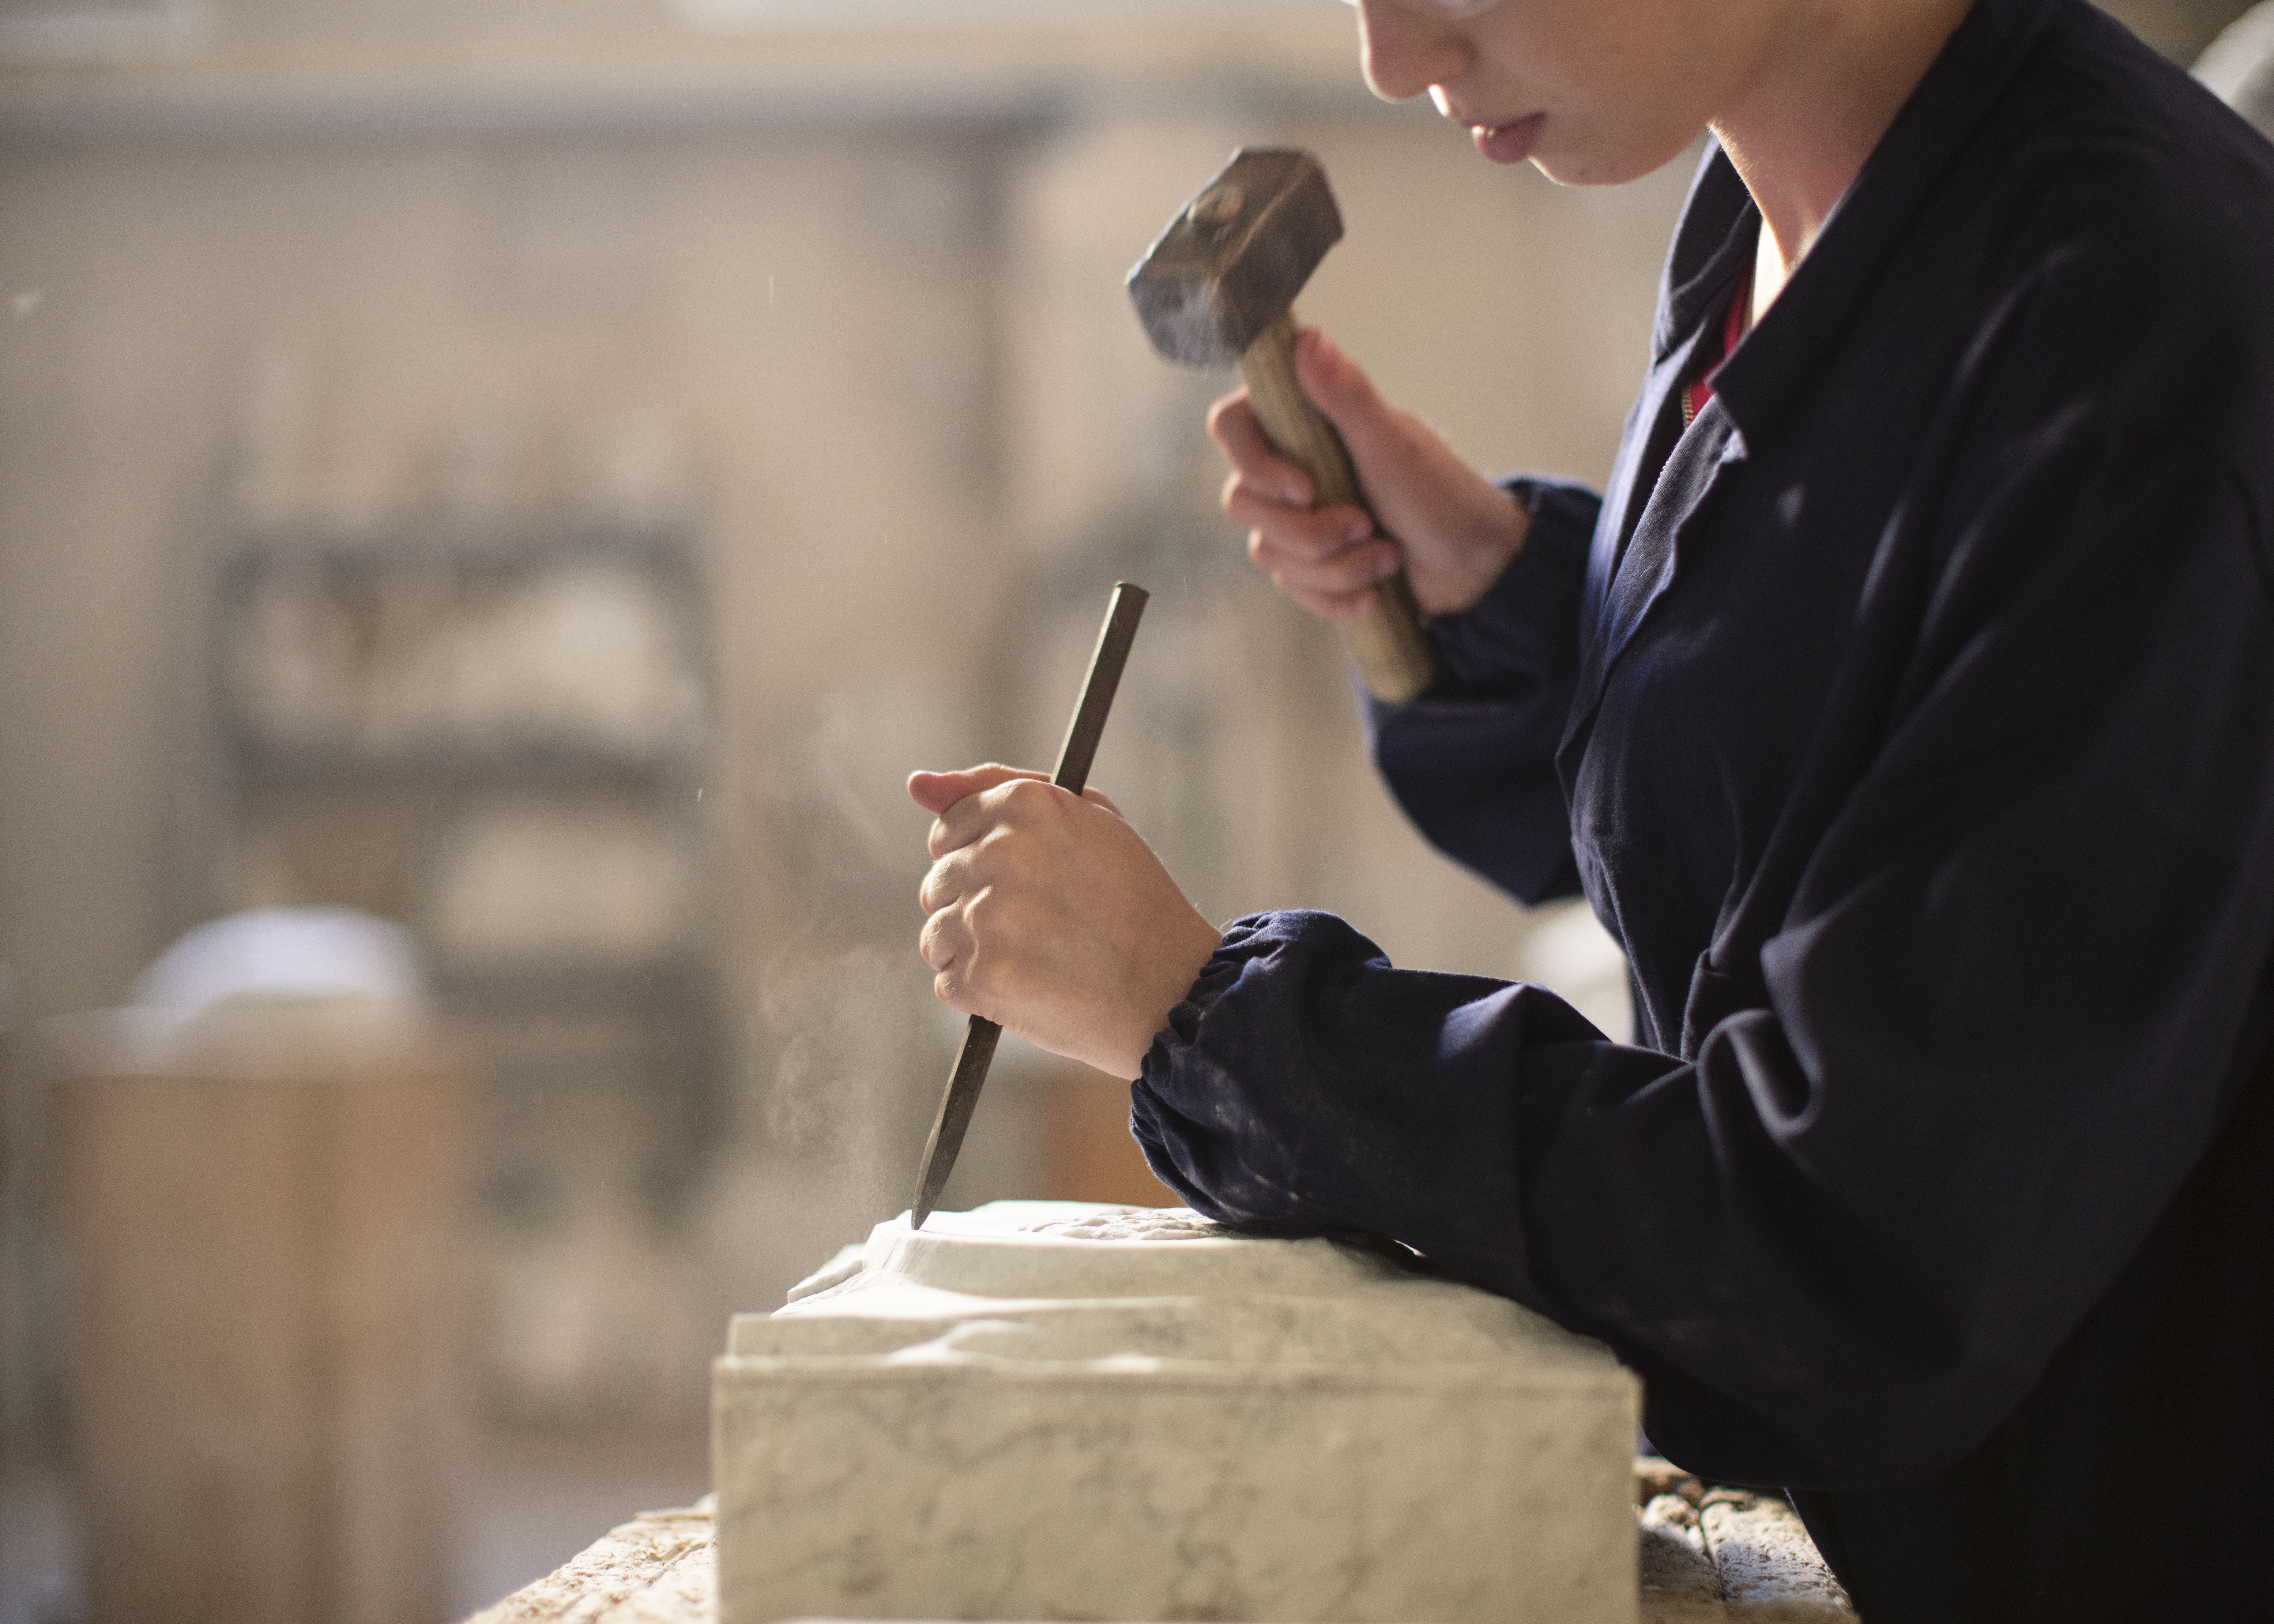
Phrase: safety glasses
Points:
(1444, 10)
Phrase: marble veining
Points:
(1047, 1411)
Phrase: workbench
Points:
(1708, 1556)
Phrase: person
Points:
(1905, 707)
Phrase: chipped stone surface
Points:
(1770, 1573)
(661, 1568)
(1054, 1411)
(1679, 1583)
(1042, 1410)
(1654, 1475)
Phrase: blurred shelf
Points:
(373, 605)
(668, 986)
(471, 66)
(493, 731)
(410, 548)
(270, 766)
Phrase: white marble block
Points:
(1053, 1411)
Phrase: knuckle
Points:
(974, 978)
(1298, 539)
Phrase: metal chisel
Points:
(1074, 758)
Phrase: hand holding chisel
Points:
(1074, 758)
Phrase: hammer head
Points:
(1232, 260)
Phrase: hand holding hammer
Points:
(1218, 288)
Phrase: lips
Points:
(1509, 143)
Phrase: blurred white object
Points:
(284, 952)
(578, 654)
(532, 881)
(592, 656)
(2238, 66)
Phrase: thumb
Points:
(1339, 387)
(936, 791)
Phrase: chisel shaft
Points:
(1074, 758)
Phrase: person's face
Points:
(1593, 92)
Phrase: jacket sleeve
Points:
(1472, 760)
(2019, 986)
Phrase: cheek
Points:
(1621, 79)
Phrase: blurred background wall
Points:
(542, 475)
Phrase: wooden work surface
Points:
(1709, 1556)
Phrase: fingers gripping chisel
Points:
(1074, 758)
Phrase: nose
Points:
(1405, 53)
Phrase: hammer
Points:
(1218, 288)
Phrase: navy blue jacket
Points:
(1909, 719)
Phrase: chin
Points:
(1597, 166)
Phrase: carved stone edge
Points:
(1708, 1556)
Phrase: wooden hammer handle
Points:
(1386, 642)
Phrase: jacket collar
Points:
(1804, 327)
(1650, 502)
